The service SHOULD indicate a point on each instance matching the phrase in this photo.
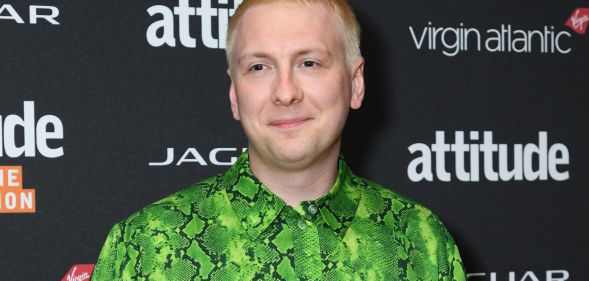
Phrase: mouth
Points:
(289, 123)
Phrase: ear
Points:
(233, 98)
(357, 84)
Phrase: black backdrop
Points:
(124, 103)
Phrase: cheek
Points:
(329, 94)
(251, 100)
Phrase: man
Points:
(290, 208)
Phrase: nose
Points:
(287, 91)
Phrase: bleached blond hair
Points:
(341, 8)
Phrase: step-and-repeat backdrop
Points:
(478, 110)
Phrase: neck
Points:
(297, 185)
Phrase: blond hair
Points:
(341, 8)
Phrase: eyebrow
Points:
(303, 52)
(257, 55)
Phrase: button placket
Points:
(312, 209)
(301, 224)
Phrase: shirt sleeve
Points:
(109, 264)
(450, 266)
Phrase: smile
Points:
(289, 123)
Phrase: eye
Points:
(310, 64)
(257, 67)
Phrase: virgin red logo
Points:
(578, 20)
(79, 272)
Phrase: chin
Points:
(291, 156)
(297, 154)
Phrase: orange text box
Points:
(11, 177)
(17, 201)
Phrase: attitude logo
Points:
(578, 20)
(528, 162)
(162, 31)
(37, 134)
(25, 137)
(13, 198)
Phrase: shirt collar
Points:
(257, 207)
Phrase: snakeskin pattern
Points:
(231, 227)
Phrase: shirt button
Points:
(312, 209)
(302, 225)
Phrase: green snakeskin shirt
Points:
(231, 227)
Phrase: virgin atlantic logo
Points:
(79, 272)
(578, 20)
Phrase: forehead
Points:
(282, 27)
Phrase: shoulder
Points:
(174, 211)
(158, 233)
(420, 233)
(378, 199)
(405, 215)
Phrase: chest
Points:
(295, 251)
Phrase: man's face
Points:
(291, 86)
